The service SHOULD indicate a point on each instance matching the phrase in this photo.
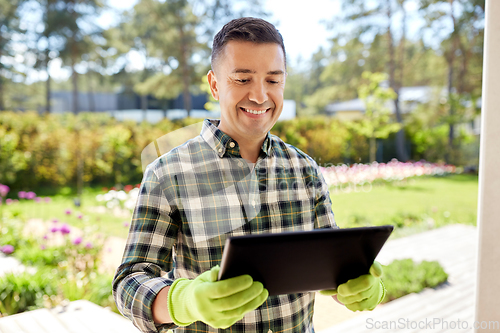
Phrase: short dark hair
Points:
(249, 29)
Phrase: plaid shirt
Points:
(195, 196)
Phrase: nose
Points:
(258, 92)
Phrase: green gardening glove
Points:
(216, 303)
(362, 293)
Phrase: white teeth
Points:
(254, 111)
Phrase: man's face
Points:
(249, 81)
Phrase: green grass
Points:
(417, 204)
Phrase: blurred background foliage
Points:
(161, 49)
(44, 150)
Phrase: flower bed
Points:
(361, 174)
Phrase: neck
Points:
(250, 150)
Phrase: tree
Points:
(45, 45)
(376, 122)
(75, 28)
(175, 45)
(9, 25)
(461, 47)
(375, 21)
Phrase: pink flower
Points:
(65, 229)
(54, 229)
(43, 247)
(126, 224)
(21, 194)
(8, 201)
(38, 199)
(80, 216)
(55, 221)
(30, 195)
(45, 236)
(68, 212)
(77, 240)
(7, 249)
(88, 245)
(4, 189)
(47, 199)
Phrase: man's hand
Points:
(362, 293)
(216, 303)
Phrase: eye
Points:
(274, 82)
(242, 80)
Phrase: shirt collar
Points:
(220, 142)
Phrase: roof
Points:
(406, 95)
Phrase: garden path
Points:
(77, 317)
(448, 308)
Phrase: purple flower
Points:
(43, 247)
(47, 199)
(80, 216)
(21, 194)
(126, 224)
(30, 195)
(77, 240)
(88, 245)
(7, 249)
(38, 199)
(4, 189)
(68, 212)
(8, 201)
(55, 221)
(54, 229)
(65, 229)
(45, 236)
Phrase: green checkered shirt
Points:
(195, 196)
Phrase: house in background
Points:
(127, 105)
(409, 99)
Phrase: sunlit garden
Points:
(388, 106)
(62, 244)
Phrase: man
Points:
(233, 179)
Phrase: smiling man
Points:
(249, 80)
(235, 178)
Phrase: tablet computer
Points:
(303, 261)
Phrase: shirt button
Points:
(240, 164)
(231, 144)
(253, 202)
(220, 150)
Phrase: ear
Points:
(212, 82)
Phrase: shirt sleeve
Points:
(147, 256)
(323, 204)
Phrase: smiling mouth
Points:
(255, 111)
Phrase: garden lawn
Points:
(62, 208)
(417, 204)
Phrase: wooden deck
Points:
(77, 317)
(449, 308)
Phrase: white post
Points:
(488, 269)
